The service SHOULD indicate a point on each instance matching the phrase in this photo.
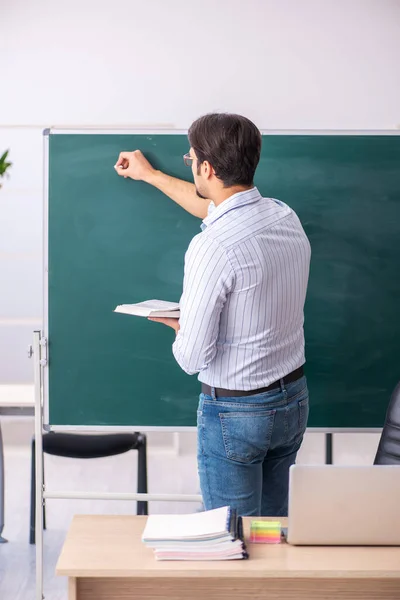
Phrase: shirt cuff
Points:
(180, 358)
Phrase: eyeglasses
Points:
(188, 160)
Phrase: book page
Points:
(207, 523)
(149, 307)
(158, 305)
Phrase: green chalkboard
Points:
(113, 241)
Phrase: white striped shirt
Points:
(245, 283)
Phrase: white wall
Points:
(284, 63)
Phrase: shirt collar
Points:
(239, 199)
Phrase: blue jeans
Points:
(246, 446)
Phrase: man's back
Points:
(241, 317)
(261, 336)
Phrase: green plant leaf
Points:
(4, 163)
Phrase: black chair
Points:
(90, 446)
(388, 452)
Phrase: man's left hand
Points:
(173, 323)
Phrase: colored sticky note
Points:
(265, 532)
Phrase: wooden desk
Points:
(17, 400)
(14, 400)
(104, 559)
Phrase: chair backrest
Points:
(388, 452)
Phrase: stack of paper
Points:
(151, 308)
(209, 535)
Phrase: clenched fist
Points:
(134, 165)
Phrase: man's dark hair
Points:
(230, 143)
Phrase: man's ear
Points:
(207, 170)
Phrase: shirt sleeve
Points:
(207, 282)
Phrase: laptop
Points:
(333, 505)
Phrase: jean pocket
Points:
(247, 435)
(303, 414)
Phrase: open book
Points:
(209, 535)
(150, 308)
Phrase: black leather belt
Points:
(221, 393)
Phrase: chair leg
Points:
(32, 536)
(142, 506)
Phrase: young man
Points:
(241, 325)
